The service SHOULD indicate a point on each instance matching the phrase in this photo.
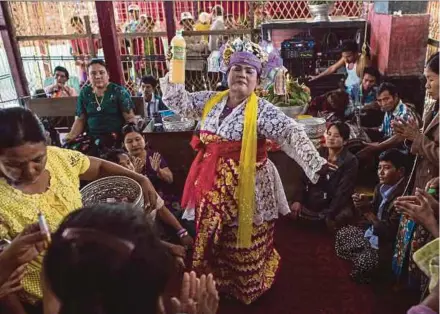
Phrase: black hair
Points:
(114, 264)
(76, 20)
(39, 93)
(373, 72)
(349, 46)
(19, 126)
(433, 63)
(149, 79)
(129, 128)
(59, 68)
(387, 86)
(113, 155)
(397, 158)
(218, 9)
(343, 129)
(340, 97)
(97, 61)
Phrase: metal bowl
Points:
(116, 189)
(293, 111)
(320, 12)
(176, 123)
(314, 127)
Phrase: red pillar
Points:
(12, 51)
(169, 18)
(110, 43)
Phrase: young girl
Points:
(329, 199)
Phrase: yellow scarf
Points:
(247, 168)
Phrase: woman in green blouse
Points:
(102, 109)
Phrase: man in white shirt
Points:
(217, 24)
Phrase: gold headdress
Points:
(241, 46)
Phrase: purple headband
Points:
(244, 57)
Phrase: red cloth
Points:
(81, 46)
(206, 163)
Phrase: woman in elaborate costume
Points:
(233, 191)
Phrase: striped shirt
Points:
(401, 111)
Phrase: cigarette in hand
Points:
(44, 228)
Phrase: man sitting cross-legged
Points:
(370, 245)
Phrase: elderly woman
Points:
(425, 146)
(234, 188)
(102, 109)
(36, 178)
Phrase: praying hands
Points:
(421, 208)
(406, 129)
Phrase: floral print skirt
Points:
(241, 273)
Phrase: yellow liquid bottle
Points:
(177, 62)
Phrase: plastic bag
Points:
(214, 62)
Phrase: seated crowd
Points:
(382, 234)
(399, 223)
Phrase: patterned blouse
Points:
(271, 124)
(61, 198)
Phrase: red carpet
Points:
(313, 280)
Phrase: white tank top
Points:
(352, 77)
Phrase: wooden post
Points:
(170, 22)
(12, 51)
(90, 41)
(109, 37)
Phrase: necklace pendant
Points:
(99, 108)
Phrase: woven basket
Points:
(176, 123)
(314, 127)
(114, 188)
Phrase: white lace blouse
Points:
(271, 124)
